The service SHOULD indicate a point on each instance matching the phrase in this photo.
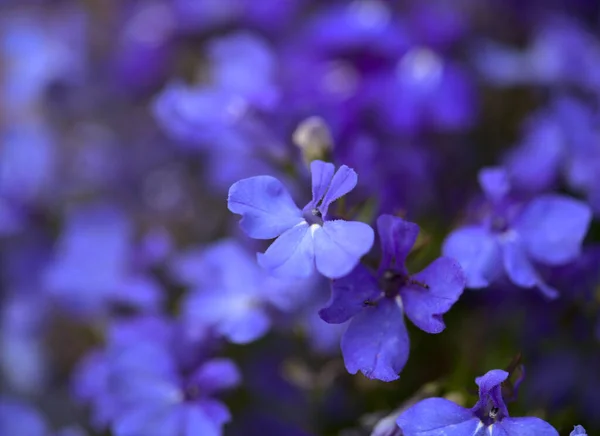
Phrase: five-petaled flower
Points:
(548, 230)
(376, 342)
(489, 416)
(306, 237)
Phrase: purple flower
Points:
(154, 397)
(142, 383)
(489, 416)
(426, 90)
(92, 264)
(231, 295)
(578, 431)
(559, 140)
(306, 237)
(376, 341)
(561, 53)
(513, 236)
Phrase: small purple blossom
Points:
(376, 341)
(305, 238)
(513, 236)
(489, 416)
(230, 294)
(149, 380)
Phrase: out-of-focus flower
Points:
(306, 237)
(231, 295)
(561, 53)
(376, 341)
(512, 236)
(560, 140)
(142, 385)
(93, 265)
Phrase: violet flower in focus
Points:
(305, 238)
(376, 341)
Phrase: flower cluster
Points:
(293, 217)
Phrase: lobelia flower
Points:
(92, 266)
(489, 416)
(155, 398)
(512, 236)
(578, 431)
(561, 53)
(560, 139)
(376, 341)
(231, 295)
(147, 381)
(305, 238)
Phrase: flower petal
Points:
(524, 427)
(321, 173)
(291, 255)
(424, 307)
(149, 421)
(376, 342)
(205, 418)
(477, 252)
(578, 430)
(552, 228)
(246, 326)
(490, 388)
(216, 375)
(439, 417)
(519, 269)
(266, 207)
(494, 183)
(339, 245)
(349, 294)
(397, 238)
(344, 181)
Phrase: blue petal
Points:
(291, 255)
(216, 375)
(376, 342)
(523, 427)
(148, 421)
(553, 227)
(494, 183)
(232, 314)
(205, 418)
(339, 245)
(425, 307)
(141, 292)
(439, 417)
(518, 267)
(490, 388)
(490, 380)
(578, 431)
(343, 182)
(266, 207)
(349, 294)
(397, 238)
(321, 173)
(247, 326)
(477, 252)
